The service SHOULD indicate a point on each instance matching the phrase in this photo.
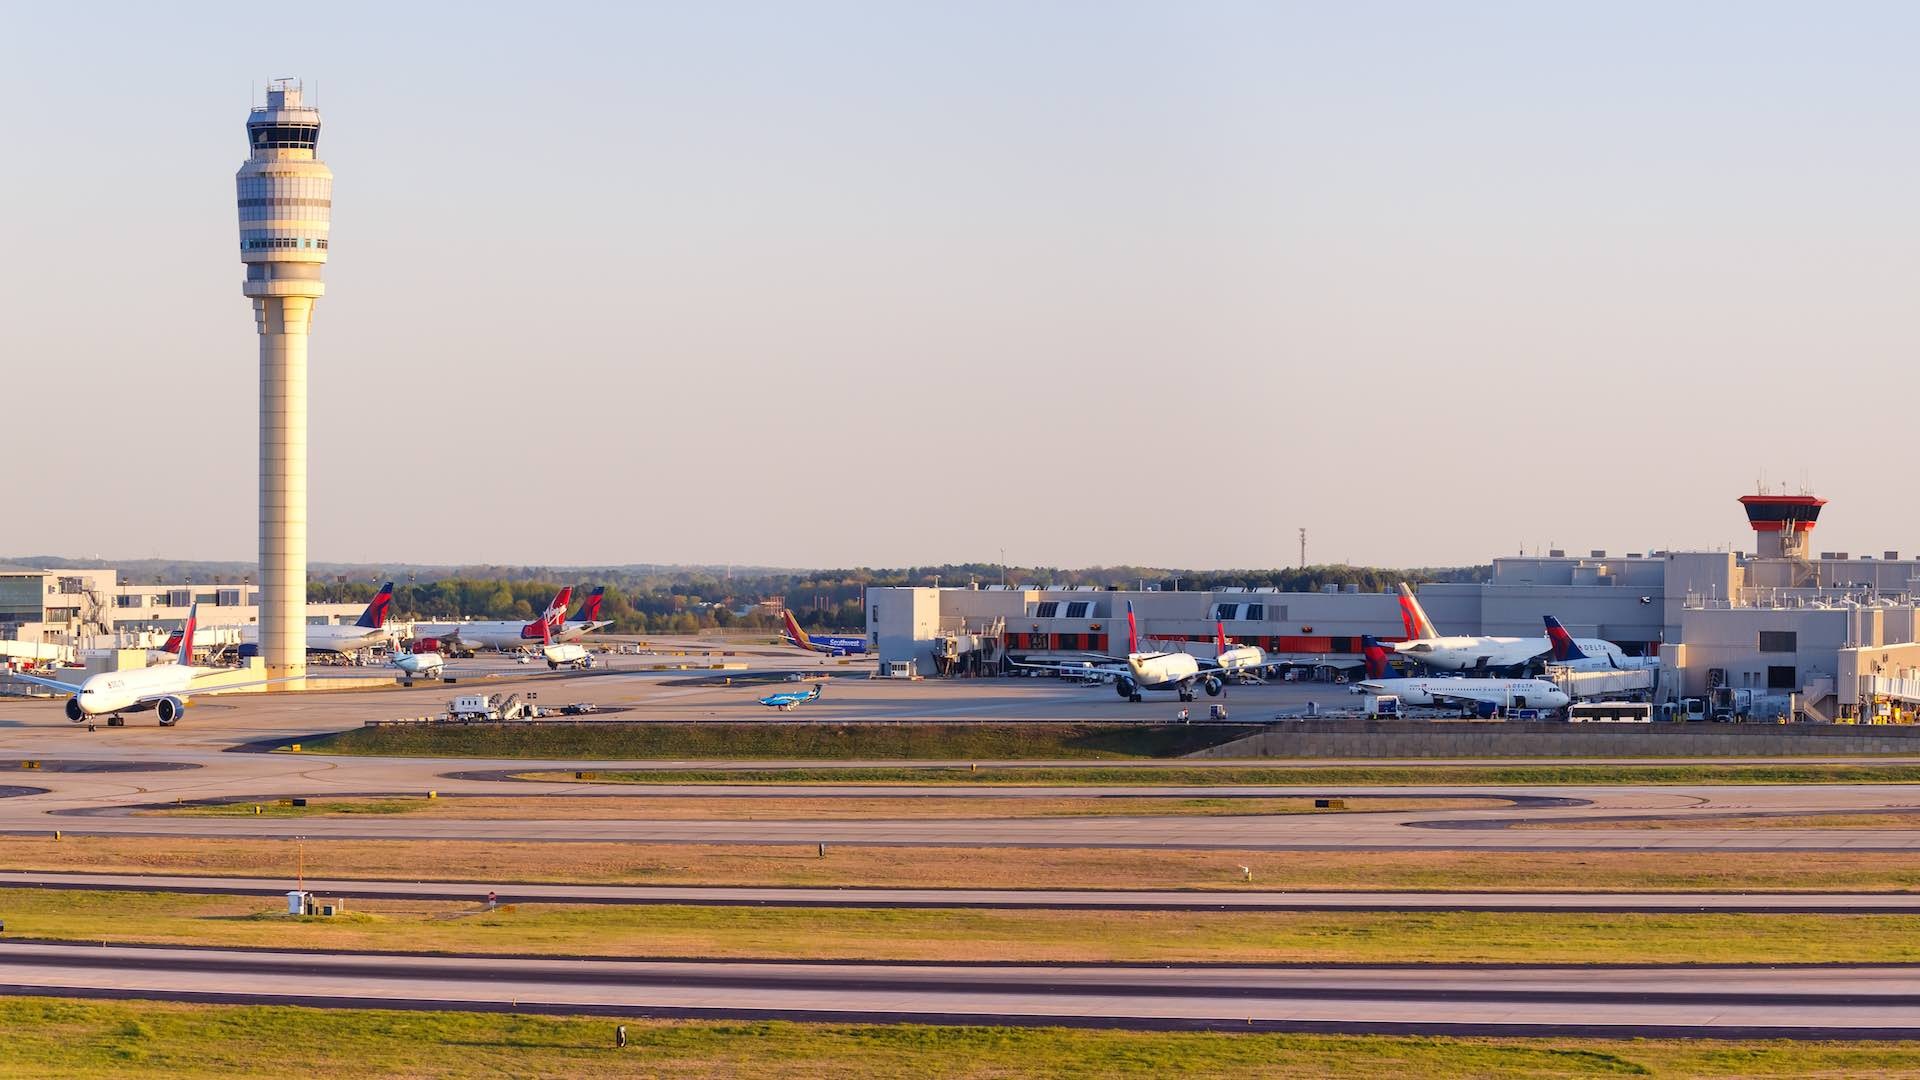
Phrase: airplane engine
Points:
(1125, 687)
(168, 709)
(74, 712)
(1214, 686)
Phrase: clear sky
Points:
(888, 283)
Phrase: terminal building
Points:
(76, 609)
(1790, 633)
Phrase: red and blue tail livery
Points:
(1565, 649)
(551, 619)
(590, 611)
(830, 644)
(1376, 656)
(375, 616)
(1133, 631)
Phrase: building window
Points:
(1045, 609)
(1256, 612)
(1777, 641)
(1782, 678)
(1226, 611)
(1077, 609)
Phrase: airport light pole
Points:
(285, 197)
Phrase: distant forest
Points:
(686, 599)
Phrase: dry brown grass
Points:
(695, 864)
(1756, 821)
(754, 808)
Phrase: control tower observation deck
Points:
(286, 200)
(1781, 523)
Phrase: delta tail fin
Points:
(1220, 635)
(1565, 649)
(1414, 617)
(375, 616)
(590, 611)
(1133, 631)
(186, 634)
(1376, 655)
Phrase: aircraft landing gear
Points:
(1135, 698)
(116, 720)
(1186, 695)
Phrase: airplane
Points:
(502, 634)
(1588, 655)
(420, 664)
(821, 643)
(369, 631)
(1429, 647)
(1509, 693)
(589, 620)
(1177, 672)
(1251, 660)
(163, 688)
(789, 700)
(562, 654)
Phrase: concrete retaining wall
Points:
(1415, 739)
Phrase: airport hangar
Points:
(1826, 637)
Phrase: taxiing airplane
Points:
(821, 643)
(561, 655)
(163, 688)
(1175, 672)
(501, 634)
(420, 664)
(369, 631)
(789, 700)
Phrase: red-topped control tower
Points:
(1781, 523)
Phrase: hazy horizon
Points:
(811, 285)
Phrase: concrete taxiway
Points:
(1810, 1002)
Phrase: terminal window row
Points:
(284, 242)
(284, 200)
(285, 185)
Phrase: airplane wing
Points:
(51, 684)
(223, 687)
(1104, 667)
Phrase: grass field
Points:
(1004, 868)
(963, 934)
(1332, 778)
(704, 808)
(927, 742)
(54, 1037)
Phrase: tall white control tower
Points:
(286, 200)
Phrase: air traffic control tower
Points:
(286, 199)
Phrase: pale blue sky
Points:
(1441, 280)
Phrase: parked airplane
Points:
(1504, 693)
(589, 619)
(420, 664)
(500, 634)
(1426, 645)
(789, 700)
(369, 631)
(1142, 671)
(163, 688)
(1590, 655)
(821, 643)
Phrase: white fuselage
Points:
(564, 654)
(333, 638)
(1241, 658)
(504, 636)
(1514, 693)
(426, 663)
(123, 691)
(1162, 671)
(1471, 653)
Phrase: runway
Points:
(511, 892)
(1729, 1002)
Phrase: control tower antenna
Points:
(1303, 548)
(285, 198)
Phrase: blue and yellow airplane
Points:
(822, 643)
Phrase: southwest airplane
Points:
(369, 631)
(499, 633)
(789, 700)
(163, 688)
(821, 643)
(1141, 671)
(1426, 645)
